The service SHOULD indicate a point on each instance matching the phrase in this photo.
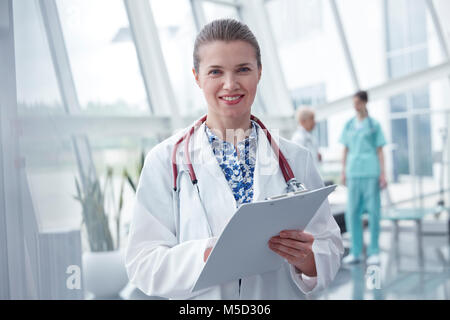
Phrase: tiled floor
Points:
(402, 274)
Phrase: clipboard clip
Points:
(294, 188)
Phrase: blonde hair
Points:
(225, 30)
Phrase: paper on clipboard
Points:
(242, 248)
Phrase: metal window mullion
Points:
(272, 87)
(59, 54)
(439, 31)
(259, 100)
(61, 63)
(223, 3)
(410, 127)
(151, 58)
(407, 50)
(198, 14)
(140, 61)
(418, 112)
(344, 43)
(12, 273)
(438, 28)
(447, 157)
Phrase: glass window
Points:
(37, 86)
(443, 9)
(398, 66)
(177, 32)
(103, 57)
(119, 153)
(417, 22)
(305, 23)
(408, 48)
(400, 149)
(397, 22)
(51, 171)
(412, 43)
(421, 128)
(215, 11)
(313, 54)
(50, 162)
(422, 145)
(51, 216)
(398, 103)
(405, 62)
(420, 98)
(363, 26)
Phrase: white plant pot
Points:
(104, 273)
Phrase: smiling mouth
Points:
(232, 98)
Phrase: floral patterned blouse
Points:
(238, 164)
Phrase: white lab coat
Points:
(161, 265)
(307, 140)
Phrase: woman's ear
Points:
(259, 73)
(196, 77)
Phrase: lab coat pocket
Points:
(193, 223)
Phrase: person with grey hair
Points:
(193, 182)
(303, 135)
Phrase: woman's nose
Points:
(230, 82)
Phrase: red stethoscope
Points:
(288, 175)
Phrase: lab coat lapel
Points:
(215, 192)
(203, 159)
(268, 178)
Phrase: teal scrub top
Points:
(362, 141)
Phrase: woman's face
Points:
(228, 75)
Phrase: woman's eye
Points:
(244, 69)
(214, 72)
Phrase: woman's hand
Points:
(296, 247)
(206, 254)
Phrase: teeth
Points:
(231, 98)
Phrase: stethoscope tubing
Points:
(283, 163)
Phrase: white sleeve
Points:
(156, 263)
(327, 246)
(298, 138)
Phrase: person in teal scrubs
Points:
(363, 174)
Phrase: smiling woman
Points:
(228, 76)
(175, 226)
(227, 67)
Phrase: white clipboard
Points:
(242, 248)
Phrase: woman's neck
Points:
(231, 130)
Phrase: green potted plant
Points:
(103, 266)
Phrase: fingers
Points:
(293, 244)
(297, 235)
(206, 254)
(290, 258)
(293, 256)
(286, 250)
